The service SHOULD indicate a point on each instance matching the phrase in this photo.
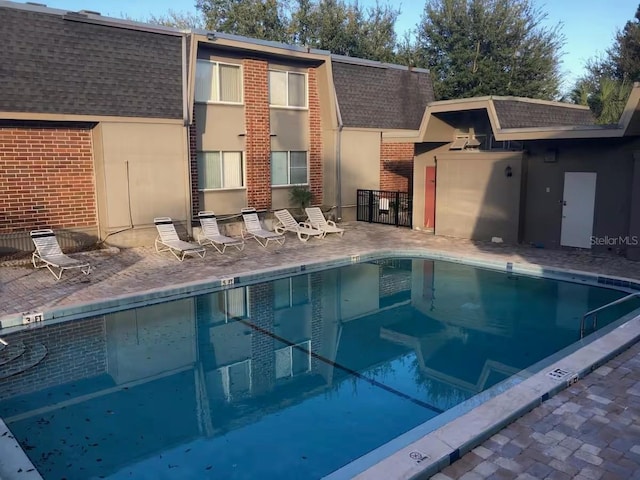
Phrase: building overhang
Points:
(434, 129)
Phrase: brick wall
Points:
(75, 350)
(263, 369)
(315, 138)
(396, 166)
(46, 178)
(193, 165)
(257, 128)
(317, 318)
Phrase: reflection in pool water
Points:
(292, 378)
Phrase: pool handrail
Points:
(595, 311)
(3, 342)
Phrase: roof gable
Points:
(372, 95)
(526, 113)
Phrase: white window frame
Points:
(219, 83)
(222, 152)
(290, 303)
(306, 90)
(288, 184)
(307, 345)
(226, 382)
(228, 318)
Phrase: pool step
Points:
(31, 356)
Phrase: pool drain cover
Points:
(559, 374)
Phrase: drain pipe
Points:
(338, 160)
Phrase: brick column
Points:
(396, 166)
(263, 367)
(315, 138)
(193, 159)
(257, 129)
(317, 318)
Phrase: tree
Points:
(625, 53)
(175, 19)
(261, 19)
(606, 85)
(489, 47)
(346, 29)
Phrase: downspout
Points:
(185, 122)
(338, 160)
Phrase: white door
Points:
(577, 209)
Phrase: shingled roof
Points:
(374, 95)
(524, 113)
(60, 63)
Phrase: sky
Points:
(588, 25)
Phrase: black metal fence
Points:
(389, 208)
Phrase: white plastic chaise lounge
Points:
(168, 240)
(254, 229)
(317, 220)
(210, 234)
(286, 223)
(49, 254)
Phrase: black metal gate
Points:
(389, 208)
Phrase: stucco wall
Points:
(613, 163)
(474, 197)
(360, 162)
(141, 173)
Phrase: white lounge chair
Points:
(253, 229)
(168, 240)
(210, 234)
(317, 220)
(49, 254)
(286, 223)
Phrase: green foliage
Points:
(625, 53)
(489, 47)
(335, 25)
(608, 101)
(176, 19)
(607, 84)
(300, 196)
(261, 19)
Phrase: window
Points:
(289, 292)
(218, 82)
(287, 89)
(218, 170)
(233, 381)
(289, 168)
(293, 360)
(227, 305)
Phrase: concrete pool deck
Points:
(590, 430)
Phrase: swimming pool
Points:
(293, 378)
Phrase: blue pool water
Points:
(293, 378)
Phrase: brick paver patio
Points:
(589, 431)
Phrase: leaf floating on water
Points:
(209, 467)
(187, 450)
(173, 466)
(98, 459)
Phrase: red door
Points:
(430, 198)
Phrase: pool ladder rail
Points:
(3, 342)
(595, 311)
